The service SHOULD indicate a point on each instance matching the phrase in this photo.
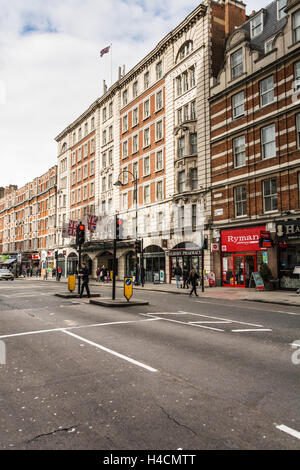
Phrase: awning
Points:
(8, 261)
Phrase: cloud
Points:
(50, 70)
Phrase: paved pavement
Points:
(278, 296)
(189, 373)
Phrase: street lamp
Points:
(120, 184)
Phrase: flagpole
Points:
(111, 67)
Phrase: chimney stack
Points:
(123, 70)
(120, 73)
(104, 87)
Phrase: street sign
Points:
(259, 283)
(128, 287)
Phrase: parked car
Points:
(6, 274)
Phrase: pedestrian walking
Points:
(185, 277)
(178, 274)
(59, 273)
(98, 272)
(84, 274)
(193, 278)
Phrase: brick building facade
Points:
(255, 148)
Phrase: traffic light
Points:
(80, 234)
(138, 246)
(205, 244)
(119, 228)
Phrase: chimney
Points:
(120, 73)
(235, 15)
(104, 87)
(1, 193)
(123, 70)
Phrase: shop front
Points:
(154, 261)
(241, 255)
(187, 255)
(61, 263)
(288, 241)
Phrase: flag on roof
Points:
(104, 51)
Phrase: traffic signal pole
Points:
(114, 269)
(79, 266)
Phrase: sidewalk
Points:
(228, 293)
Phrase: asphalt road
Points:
(181, 373)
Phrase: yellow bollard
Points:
(71, 283)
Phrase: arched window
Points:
(185, 50)
(64, 147)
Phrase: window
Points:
(104, 116)
(85, 150)
(78, 195)
(93, 123)
(92, 189)
(159, 130)
(192, 77)
(185, 81)
(125, 97)
(146, 166)
(135, 144)
(159, 70)
(85, 171)
(256, 25)
(125, 149)
(92, 167)
(266, 91)
(181, 145)
(179, 116)
(159, 100)
(74, 177)
(110, 133)
(238, 105)
(239, 154)
(194, 215)
(240, 201)
(193, 110)
(186, 49)
(74, 138)
(85, 192)
(281, 4)
(237, 64)
(193, 143)
(181, 181)
(125, 124)
(146, 80)
(268, 140)
(194, 178)
(104, 160)
(104, 184)
(297, 75)
(186, 113)
(110, 109)
(179, 85)
(104, 137)
(109, 181)
(146, 109)
(110, 157)
(270, 195)
(125, 175)
(135, 89)
(86, 129)
(298, 129)
(159, 191)
(79, 155)
(296, 26)
(78, 175)
(135, 117)
(146, 137)
(268, 45)
(146, 194)
(79, 133)
(135, 170)
(92, 145)
(159, 160)
(73, 197)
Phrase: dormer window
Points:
(269, 45)
(256, 25)
(237, 64)
(281, 4)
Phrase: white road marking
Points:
(110, 351)
(75, 327)
(181, 322)
(226, 319)
(247, 308)
(215, 322)
(256, 329)
(290, 431)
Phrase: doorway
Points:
(238, 268)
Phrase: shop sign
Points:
(215, 247)
(36, 256)
(184, 253)
(288, 230)
(241, 239)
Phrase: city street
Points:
(181, 373)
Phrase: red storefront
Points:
(241, 255)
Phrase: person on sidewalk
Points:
(194, 276)
(59, 273)
(185, 277)
(178, 274)
(84, 274)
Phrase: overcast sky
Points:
(50, 70)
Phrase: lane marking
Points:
(110, 351)
(256, 329)
(74, 328)
(214, 322)
(181, 322)
(290, 431)
(226, 319)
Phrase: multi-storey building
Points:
(255, 148)
(152, 130)
(28, 222)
